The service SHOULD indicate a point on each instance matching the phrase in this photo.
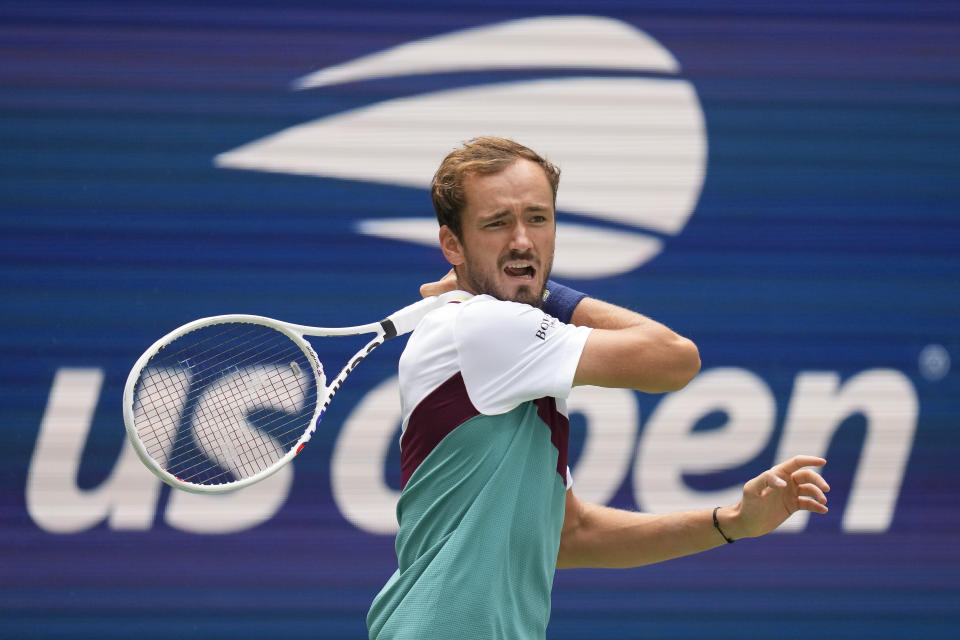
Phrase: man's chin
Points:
(527, 294)
(531, 294)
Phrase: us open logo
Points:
(633, 150)
(632, 147)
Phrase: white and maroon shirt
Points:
(483, 385)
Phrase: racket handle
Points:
(406, 320)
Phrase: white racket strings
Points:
(224, 402)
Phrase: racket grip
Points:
(406, 320)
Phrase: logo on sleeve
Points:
(547, 323)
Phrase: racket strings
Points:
(189, 358)
(213, 447)
(248, 462)
(247, 390)
(159, 409)
(223, 400)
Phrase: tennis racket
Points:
(223, 402)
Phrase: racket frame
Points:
(398, 323)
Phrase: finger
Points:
(796, 463)
(768, 478)
(772, 479)
(812, 477)
(809, 504)
(437, 288)
(447, 283)
(429, 289)
(812, 491)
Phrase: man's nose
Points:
(520, 240)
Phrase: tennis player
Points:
(488, 509)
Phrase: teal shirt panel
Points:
(480, 523)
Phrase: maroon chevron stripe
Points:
(447, 407)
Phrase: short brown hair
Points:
(484, 155)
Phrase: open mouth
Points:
(520, 270)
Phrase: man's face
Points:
(509, 228)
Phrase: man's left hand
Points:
(443, 285)
(772, 497)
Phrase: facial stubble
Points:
(481, 284)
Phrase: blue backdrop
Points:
(802, 161)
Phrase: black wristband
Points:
(559, 301)
(716, 523)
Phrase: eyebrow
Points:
(536, 208)
(493, 216)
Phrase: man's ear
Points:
(451, 246)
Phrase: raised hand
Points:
(775, 494)
(443, 285)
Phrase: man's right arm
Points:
(625, 349)
(629, 350)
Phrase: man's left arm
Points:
(603, 537)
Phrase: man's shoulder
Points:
(473, 313)
(512, 324)
(482, 310)
(489, 304)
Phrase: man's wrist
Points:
(559, 301)
(729, 523)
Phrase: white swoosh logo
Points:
(554, 42)
(632, 150)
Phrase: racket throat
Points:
(389, 329)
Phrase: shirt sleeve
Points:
(511, 353)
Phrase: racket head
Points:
(223, 402)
